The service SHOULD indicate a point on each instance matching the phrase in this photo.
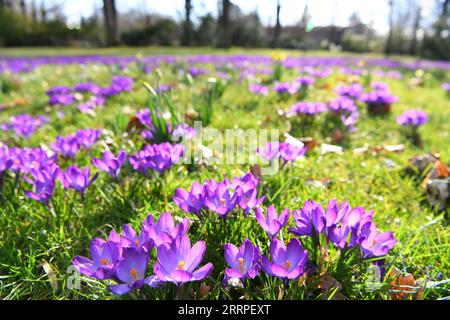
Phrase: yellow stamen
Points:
(104, 261)
(134, 274)
(136, 242)
(241, 265)
(181, 265)
(287, 264)
(222, 201)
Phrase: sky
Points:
(323, 12)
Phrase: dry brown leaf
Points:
(403, 287)
(442, 170)
(309, 143)
(204, 290)
(50, 274)
(256, 170)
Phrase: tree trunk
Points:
(388, 47)
(111, 26)
(413, 46)
(277, 30)
(445, 6)
(223, 34)
(187, 25)
(23, 7)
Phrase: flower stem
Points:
(178, 293)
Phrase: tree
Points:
(223, 32)
(186, 39)
(416, 26)
(388, 47)
(204, 35)
(277, 30)
(23, 7)
(43, 12)
(111, 25)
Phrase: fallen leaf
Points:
(204, 290)
(50, 274)
(309, 142)
(403, 287)
(256, 170)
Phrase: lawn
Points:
(39, 241)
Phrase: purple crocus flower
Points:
(286, 88)
(87, 137)
(342, 105)
(109, 163)
(195, 72)
(61, 99)
(287, 151)
(43, 179)
(270, 152)
(379, 97)
(375, 244)
(67, 146)
(178, 262)
(130, 239)
(157, 157)
(288, 262)
(257, 88)
(25, 159)
(310, 220)
(131, 271)
(183, 131)
(191, 201)
(412, 118)
(342, 221)
(105, 257)
(91, 104)
(76, 178)
(58, 90)
(5, 159)
(247, 193)
(305, 81)
(219, 199)
(164, 88)
(352, 91)
(24, 125)
(379, 86)
(272, 223)
(88, 87)
(307, 108)
(290, 152)
(164, 231)
(446, 86)
(121, 84)
(243, 262)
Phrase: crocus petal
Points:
(84, 265)
(232, 273)
(195, 256)
(203, 272)
(120, 289)
(181, 276)
(230, 253)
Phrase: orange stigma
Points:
(134, 274)
(222, 201)
(136, 242)
(241, 265)
(105, 261)
(181, 265)
(287, 264)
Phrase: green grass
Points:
(31, 237)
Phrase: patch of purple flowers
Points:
(412, 118)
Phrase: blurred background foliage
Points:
(24, 23)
